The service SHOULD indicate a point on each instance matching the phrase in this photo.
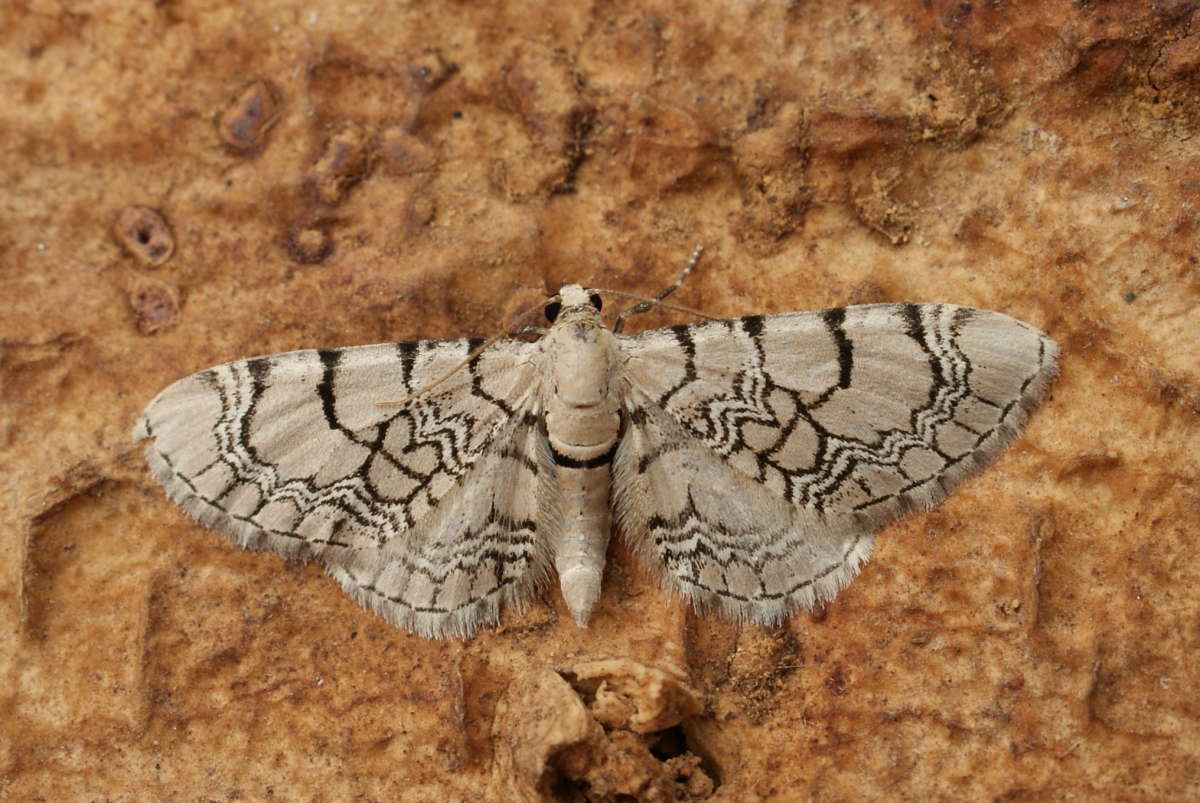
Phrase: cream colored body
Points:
(583, 423)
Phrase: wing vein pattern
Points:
(427, 513)
(762, 452)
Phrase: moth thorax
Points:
(581, 364)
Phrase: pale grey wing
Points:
(293, 453)
(487, 545)
(850, 417)
(718, 537)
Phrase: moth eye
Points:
(595, 299)
(552, 310)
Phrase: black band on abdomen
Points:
(566, 461)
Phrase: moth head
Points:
(572, 297)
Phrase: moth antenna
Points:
(647, 303)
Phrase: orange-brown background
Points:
(429, 169)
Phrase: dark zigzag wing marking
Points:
(836, 458)
(949, 370)
(715, 429)
(218, 450)
(835, 322)
(240, 399)
(501, 541)
(717, 537)
(721, 418)
(841, 455)
(353, 499)
(1009, 420)
(683, 562)
(855, 393)
(194, 493)
(485, 547)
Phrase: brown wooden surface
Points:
(335, 173)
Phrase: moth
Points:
(748, 461)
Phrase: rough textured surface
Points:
(609, 730)
(339, 173)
